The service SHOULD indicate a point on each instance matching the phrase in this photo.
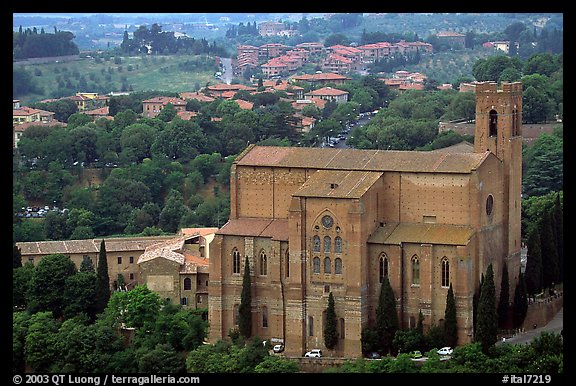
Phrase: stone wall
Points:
(542, 311)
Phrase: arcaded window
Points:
(235, 261)
(445, 272)
(338, 265)
(327, 244)
(383, 268)
(264, 317)
(236, 314)
(327, 265)
(415, 270)
(316, 243)
(316, 264)
(493, 123)
(187, 284)
(287, 263)
(263, 263)
(489, 204)
(338, 244)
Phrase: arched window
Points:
(383, 267)
(236, 314)
(310, 326)
(342, 329)
(316, 263)
(493, 123)
(187, 284)
(235, 261)
(415, 270)
(316, 244)
(327, 265)
(263, 263)
(287, 262)
(327, 244)
(338, 244)
(445, 272)
(338, 266)
(515, 122)
(264, 317)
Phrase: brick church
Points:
(317, 220)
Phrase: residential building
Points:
(328, 94)
(152, 107)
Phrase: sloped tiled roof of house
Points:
(327, 91)
(445, 234)
(367, 160)
(258, 227)
(98, 112)
(186, 115)
(165, 100)
(24, 111)
(194, 264)
(196, 96)
(244, 104)
(338, 184)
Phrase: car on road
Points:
(315, 353)
(445, 351)
(278, 348)
(415, 354)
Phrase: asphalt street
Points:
(556, 325)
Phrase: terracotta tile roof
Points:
(197, 96)
(338, 184)
(165, 100)
(197, 231)
(462, 147)
(327, 91)
(256, 227)
(397, 233)
(367, 160)
(244, 104)
(24, 111)
(186, 115)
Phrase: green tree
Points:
(487, 325)
(79, 295)
(40, 342)
(16, 256)
(275, 364)
(245, 308)
(172, 212)
(102, 281)
(533, 273)
(48, 284)
(21, 279)
(550, 270)
(386, 316)
(134, 308)
(520, 305)
(558, 223)
(86, 265)
(163, 359)
(330, 326)
(504, 300)
(450, 322)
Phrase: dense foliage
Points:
(31, 43)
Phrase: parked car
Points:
(374, 355)
(445, 351)
(278, 348)
(315, 353)
(415, 354)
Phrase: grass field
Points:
(175, 73)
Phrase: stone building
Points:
(174, 266)
(317, 220)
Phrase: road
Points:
(555, 325)
(227, 70)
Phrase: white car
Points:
(278, 348)
(445, 351)
(315, 353)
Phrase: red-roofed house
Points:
(328, 94)
(152, 107)
(322, 78)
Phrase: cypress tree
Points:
(386, 316)
(450, 323)
(245, 308)
(102, 280)
(475, 299)
(504, 301)
(330, 327)
(487, 325)
(86, 265)
(520, 306)
(559, 226)
(549, 252)
(16, 257)
(533, 272)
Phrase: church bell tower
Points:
(499, 131)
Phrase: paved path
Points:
(555, 325)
